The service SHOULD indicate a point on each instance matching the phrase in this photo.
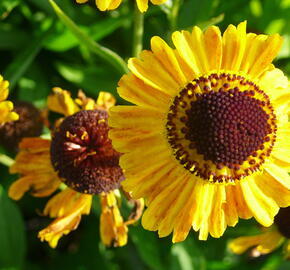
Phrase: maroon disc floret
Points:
(82, 154)
(29, 124)
(227, 127)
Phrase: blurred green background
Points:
(38, 52)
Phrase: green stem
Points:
(174, 14)
(138, 32)
(5, 160)
(105, 53)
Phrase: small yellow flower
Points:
(104, 5)
(6, 107)
(270, 239)
(80, 161)
(208, 139)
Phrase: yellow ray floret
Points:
(264, 243)
(62, 102)
(104, 5)
(6, 107)
(113, 230)
(165, 164)
(37, 175)
(67, 207)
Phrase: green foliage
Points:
(12, 235)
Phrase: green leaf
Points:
(211, 21)
(187, 256)
(24, 59)
(11, 39)
(64, 39)
(88, 77)
(148, 247)
(103, 52)
(12, 236)
(6, 6)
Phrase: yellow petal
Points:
(279, 174)
(213, 47)
(39, 185)
(105, 100)
(203, 210)
(163, 203)
(136, 117)
(148, 68)
(136, 91)
(5, 112)
(158, 2)
(183, 221)
(274, 189)
(167, 57)
(242, 207)
(4, 91)
(263, 208)
(66, 220)
(217, 219)
(113, 230)
(261, 50)
(168, 222)
(234, 44)
(274, 83)
(142, 5)
(265, 243)
(181, 42)
(61, 102)
(230, 207)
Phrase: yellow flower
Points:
(79, 155)
(207, 141)
(270, 239)
(6, 107)
(104, 5)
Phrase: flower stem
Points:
(5, 160)
(138, 31)
(173, 17)
(103, 52)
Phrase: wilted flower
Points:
(80, 160)
(29, 124)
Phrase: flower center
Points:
(29, 124)
(282, 221)
(221, 127)
(82, 153)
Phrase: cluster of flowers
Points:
(205, 144)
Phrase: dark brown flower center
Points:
(282, 221)
(227, 127)
(82, 153)
(221, 127)
(29, 124)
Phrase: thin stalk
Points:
(105, 53)
(173, 17)
(138, 31)
(5, 160)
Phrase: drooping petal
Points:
(67, 207)
(36, 172)
(113, 230)
(264, 243)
